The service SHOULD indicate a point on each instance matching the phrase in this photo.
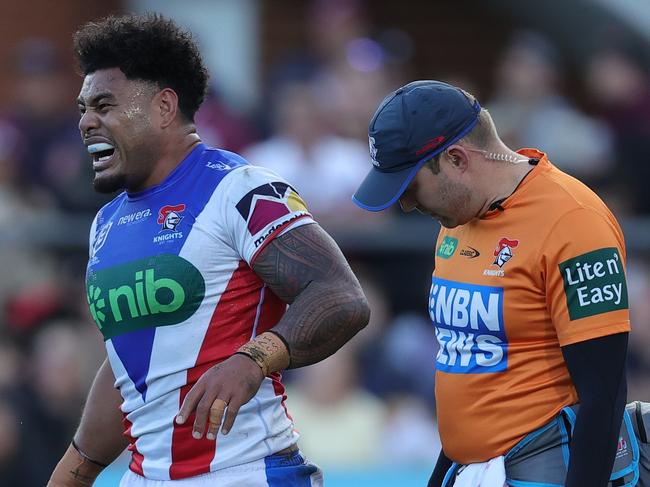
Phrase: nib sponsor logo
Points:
(469, 327)
(144, 294)
(97, 305)
(447, 247)
(594, 283)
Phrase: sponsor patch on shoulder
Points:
(272, 204)
(594, 283)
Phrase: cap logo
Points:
(373, 151)
(431, 144)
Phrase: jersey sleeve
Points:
(259, 206)
(584, 270)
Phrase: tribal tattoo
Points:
(305, 268)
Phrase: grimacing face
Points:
(116, 127)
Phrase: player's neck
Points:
(174, 151)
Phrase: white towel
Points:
(487, 474)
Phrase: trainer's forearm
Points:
(99, 435)
(321, 320)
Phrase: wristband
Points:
(86, 457)
(268, 350)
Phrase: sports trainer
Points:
(189, 275)
(528, 296)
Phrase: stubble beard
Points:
(125, 177)
(109, 184)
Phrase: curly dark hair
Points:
(147, 47)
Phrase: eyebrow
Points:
(96, 98)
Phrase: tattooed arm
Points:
(305, 268)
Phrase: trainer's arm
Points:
(597, 369)
(98, 440)
(305, 268)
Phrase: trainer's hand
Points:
(225, 387)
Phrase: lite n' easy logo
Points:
(447, 247)
(469, 327)
(594, 283)
(145, 293)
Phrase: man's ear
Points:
(457, 156)
(166, 104)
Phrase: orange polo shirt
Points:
(511, 288)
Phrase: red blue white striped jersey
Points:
(171, 288)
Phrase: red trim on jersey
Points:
(272, 310)
(278, 387)
(275, 233)
(136, 457)
(230, 327)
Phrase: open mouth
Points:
(101, 152)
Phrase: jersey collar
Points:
(541, 166)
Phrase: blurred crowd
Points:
(372, 402)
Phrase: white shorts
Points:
(288, 470)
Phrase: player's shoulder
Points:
(242, 183)
(250, 178)
(232, 168)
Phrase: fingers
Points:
(214, 419)
(231, 414)
(190, 402)
(218, 395)
(203, 411)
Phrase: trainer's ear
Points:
(166, 106)
(458, 157)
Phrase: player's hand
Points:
(225, 387)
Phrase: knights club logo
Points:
(170, 216)
(503, 252)
(373, 151)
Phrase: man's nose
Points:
(88, 122)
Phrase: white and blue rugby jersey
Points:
(170, 286)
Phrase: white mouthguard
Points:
(101, 146)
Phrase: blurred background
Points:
(294, 84)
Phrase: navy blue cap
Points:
(412, 124)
